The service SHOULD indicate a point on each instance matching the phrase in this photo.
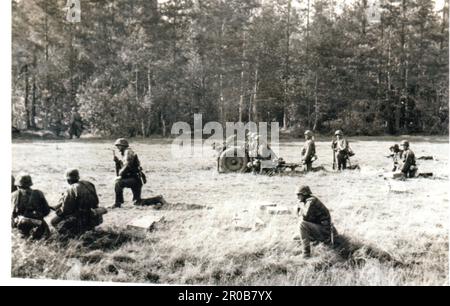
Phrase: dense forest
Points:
(135, 67)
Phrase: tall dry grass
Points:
(396, 232)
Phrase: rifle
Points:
(334, 155)
(117, 163)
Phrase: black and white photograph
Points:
(228, 143)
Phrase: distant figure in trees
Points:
(76, 124)
(308, 151)
(342, 150)
(29, 210)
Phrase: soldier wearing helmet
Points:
(129, 173)
(29, 209)
(315, 225)
(75, 213)
(409, 167)
(308, 151)
(342, 148)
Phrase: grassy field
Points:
(199, 243)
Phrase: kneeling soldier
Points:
(30, 209)
(129, 174)
(409, 167)
(316, 225)
(78, 210)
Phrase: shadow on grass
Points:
(357, 252)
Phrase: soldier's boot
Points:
(118, 188)
(137, 195)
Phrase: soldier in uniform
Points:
(341, 147)
(308, 151)
(29, 210)
(76, 124)
(129, 174)
(78, 210)
(408, 168)
(316, 225)
(396, 155)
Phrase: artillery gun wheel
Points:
(233, 160)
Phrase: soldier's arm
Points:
(44, 207)
(129, 156)
(68, 204)
(14, 202)
(307, 210)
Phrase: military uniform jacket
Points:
(129, 165)
(78, 200)
(409, 159)
(309, 150)
(30, 204)
(314, 211)
(341, 146)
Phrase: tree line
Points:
(136, 67)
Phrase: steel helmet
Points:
(73, 174)
(24, 181)
(304, 190)
(122, 142)
(405, 143)
(309, 133)
(339, 133)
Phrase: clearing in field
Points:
(215, 232)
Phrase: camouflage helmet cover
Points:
(304, 190)
(24, 181)
(72, 174)
(122, 142)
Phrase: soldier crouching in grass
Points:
(316, 225)
(29, 210)
(78, 210)
(130, 175)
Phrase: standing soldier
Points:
(29, 210)
(409, 168)
(76, 124)
(129, 173)
(78, 210)
(316, 225)
(342, 148)
(308, 151)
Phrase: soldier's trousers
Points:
(71, 226)
(136, 187)
(342, 161)
(311, 232)
(32, 231)
(308, 166)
